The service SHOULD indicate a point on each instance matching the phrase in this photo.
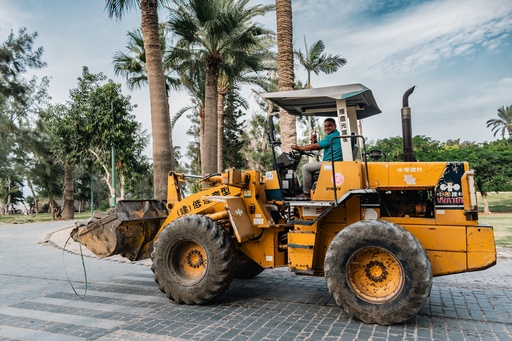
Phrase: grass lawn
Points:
(502, 223)
(498, 202)
(41, 217)
(500, 205)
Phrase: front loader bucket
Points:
(128, 231)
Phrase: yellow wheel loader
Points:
(377, 231)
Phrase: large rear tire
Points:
(378, 272)
(193, 260)
(245, 267)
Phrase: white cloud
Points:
(423, 35)
(483, 99)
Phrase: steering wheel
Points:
(308, 153)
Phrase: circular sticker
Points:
(339, 179)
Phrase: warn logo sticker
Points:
(448, 191)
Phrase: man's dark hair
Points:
(330, 119)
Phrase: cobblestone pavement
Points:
(122, 301)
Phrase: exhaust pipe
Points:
(408, 153)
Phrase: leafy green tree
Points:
(193, 75)
(425, 148)
(214, 29)
(234, 135)
(10, 192)
(64, 132)
(45, 174)
(139, 185)
(489, 160)
(108, 121)
(163, 159)
(256, 149)
(17, 54)
(193, 148)
(17, 95)
(503, 124)
(82, 190)
(315, 60)
(243, 69)
(96, 119)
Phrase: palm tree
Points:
(235, 71)
(504, 123)
(285, 68)
(192, 73)
(314, 60)
(214, 29)
(132, 65)
(160, 121)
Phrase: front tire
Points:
(378, 272)
(193, 260)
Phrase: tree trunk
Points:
(122, 182)
(107, 176)
(36, 199)
(209, 157)
(55, 209)
(285, 69)
(163, 157)
(485, 202)
(201, 140)
(69, 194)
(8, 201)
(220, 133)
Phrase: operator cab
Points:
(345, 103)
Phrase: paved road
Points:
(123, 302)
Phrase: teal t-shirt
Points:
(325, 143)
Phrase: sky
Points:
(457, 52)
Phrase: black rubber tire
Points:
(408, 258)
(245, 267)
(193, 260)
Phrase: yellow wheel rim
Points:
(375, 275)
(188, 262)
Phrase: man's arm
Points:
(307, 147)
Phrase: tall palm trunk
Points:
(285, 68)
(209, 147)
(220, 114)
(163, 160)
(68, 212)
(201, 140)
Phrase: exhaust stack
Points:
(408, 153)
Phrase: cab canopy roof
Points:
(322, 101)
